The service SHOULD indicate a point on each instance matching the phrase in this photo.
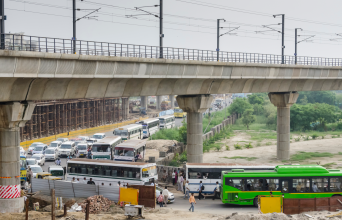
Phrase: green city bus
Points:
(291, 181)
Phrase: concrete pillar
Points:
(13, 116)
(143, 102)
(172, 100)
(158, 102)
(194, 106)
(283, 101)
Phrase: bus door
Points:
(285, 185)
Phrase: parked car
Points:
(40, 158)
(91, 140)
(84, 138)
(51, 153)
(30, 162)
(159, 191)
(36, 169)
(67, 148)
(55, 144)
(82, 149)
(99, 136)
(62, 140)
(22, 151)
(39, 149)
(32, 146)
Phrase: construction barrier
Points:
(270, 204)
(129, 196)
(83, 132)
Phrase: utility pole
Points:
(2, 24)
(282, 36)
(74, 26)
(161, 35)
(218, 39)
(296, 44)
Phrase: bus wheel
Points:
(335, 195)
(255, 202)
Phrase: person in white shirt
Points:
(187, 190)
(84, 181)
(74, 180)
(173, 177)
(217, 191)
(180, 183)
(166, 195)
(314, 187)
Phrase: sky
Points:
(189, 23)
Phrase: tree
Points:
(304, 100)
(239, 105)
(248, 117)
(258, 109)
(255, 99)
(328, 97)
(183, 133)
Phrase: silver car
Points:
(32, 146)
(51, 153)
(82, 149)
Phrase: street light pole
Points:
(2, 23)
(74, 26)
(161, 35)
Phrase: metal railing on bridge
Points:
(65, 46)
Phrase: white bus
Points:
(104, 148)
(150, 126)
(210, 173)
(132, 131)
(113, 172)
(167, 121)
(127, 150)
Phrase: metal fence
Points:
(74, 190)
(65, 46)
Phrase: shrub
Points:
(297, 139)
(217, 147)
(237, 147)
(173, 163)
(248, 146)
(268, 143)
(323, 136)
(314, 136)
(306, 138)
(227, 147)
(258, 144)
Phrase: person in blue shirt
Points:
(200, 188)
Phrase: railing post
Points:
(46, 47)
(54, 45)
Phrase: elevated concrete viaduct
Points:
(27, 76)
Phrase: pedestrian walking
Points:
(173, 178)
(176, 177)
(192, 201)
(187, 190)
(161, 200)
(184, 182)
(89, 152)
(200, 189)
(217, 191)
(30, 175)
(166, 196)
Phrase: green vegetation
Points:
(249, 145)
(227, 147)
(248, 117)
(210, 144)
(300, 156)
(328, 165)
(237, 147)
(178, 159)
(238, 157)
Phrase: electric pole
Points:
(2, 23)
(74, 26)
(218, 39)
(161, 35)
(282, 36)
(296, 44)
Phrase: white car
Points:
(36, 169)
(32, 146)
(39, 149)
(66, 149)
(55, 144)
(62, 139)
(82, 149)
(91, 141)
(22, 151)
(31, 162)
(51, 153)
(171, 197)
(99, 136)
(40, 158)
(84, 138)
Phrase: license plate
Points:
(81, 154)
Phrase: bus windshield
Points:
(100, 148)
(149, 171)
(121, 132)
(122, 151)
(178, 110)
(56, 172)
(22, 163)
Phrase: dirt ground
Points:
(267, 154)
(153, 147)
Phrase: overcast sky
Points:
(188, 23)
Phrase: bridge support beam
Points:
(283, 101)
(143, 102)
(194, 106)
(172, 100)
(13, 115)
(158, 102)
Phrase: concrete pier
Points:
(194, 106)
(13, 115)
(172, 100)
(283, 101)
(143, 102)
(158, 102)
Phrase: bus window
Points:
(301, 185)
(119, 151)
(254, 184)
(284, 186)
(129, 153)
(271, 184)
(320, 185)
(335, 184)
